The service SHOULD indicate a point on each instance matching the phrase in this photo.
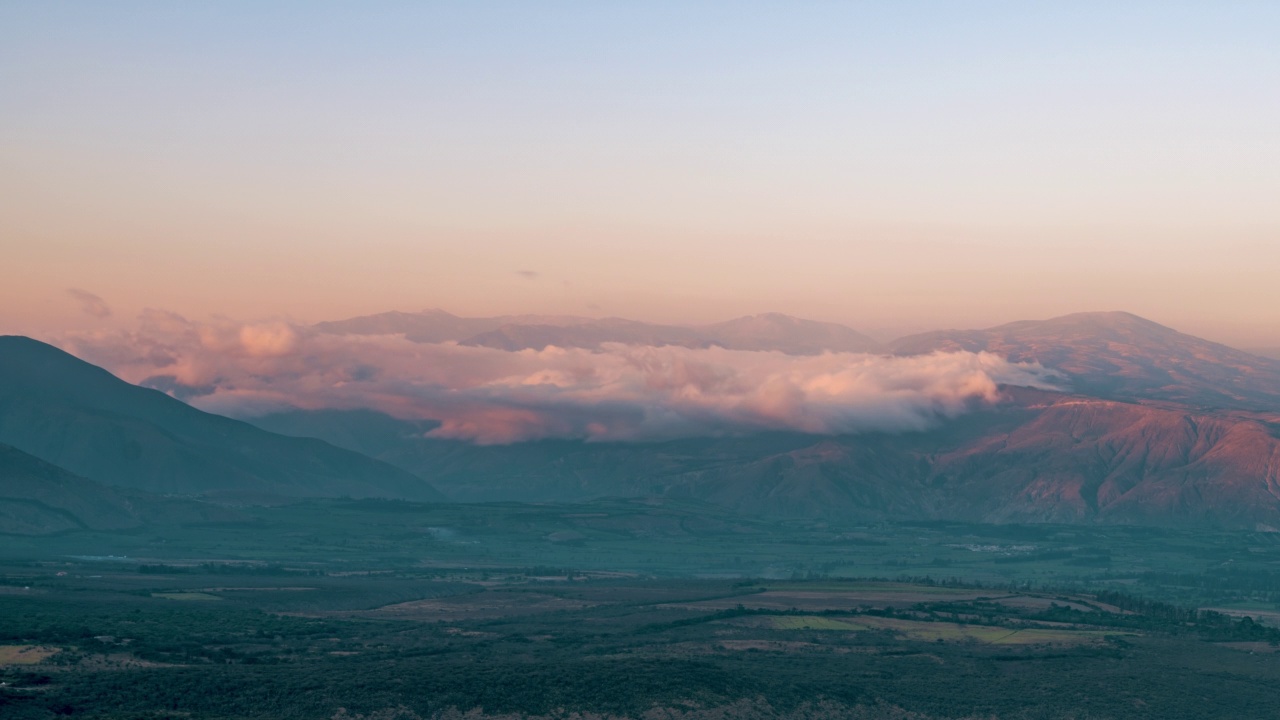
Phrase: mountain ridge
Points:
(1119, 355)
(1039, 456)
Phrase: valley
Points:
(373, 609)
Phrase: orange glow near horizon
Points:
(890, 170)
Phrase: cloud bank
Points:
(488, 395)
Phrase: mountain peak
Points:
(1123, 356)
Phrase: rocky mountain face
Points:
(81, 418)
(1065, 459)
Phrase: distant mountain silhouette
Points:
(591, 334)
(432, 326)
(783, 333)
(1122, 356)
(82, 418)
(768, 332)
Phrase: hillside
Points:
(1039, 457)
(83, 419)
(38, 498)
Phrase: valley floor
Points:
(625, 609)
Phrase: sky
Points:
(894, 166)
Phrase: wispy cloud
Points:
(493, 396)
(529, 274)
(90, 304)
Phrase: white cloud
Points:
(491, 396)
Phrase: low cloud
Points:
(487, 395)
(90, 304)
(529, 274)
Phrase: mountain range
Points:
(1038, 457)
(1115, 355)
(1155, 427)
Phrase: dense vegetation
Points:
(361, 609)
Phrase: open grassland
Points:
(186, 596)
(948, 632)
(874, 588)
(814, 622)
(26, 654)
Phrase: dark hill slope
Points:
(37, 498)
(82, 418)
(1122, 356)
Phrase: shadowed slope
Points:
(86, 420)
(37, 498)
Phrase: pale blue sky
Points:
(892, 165)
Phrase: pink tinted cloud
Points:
(493, 396)
(90, 304)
